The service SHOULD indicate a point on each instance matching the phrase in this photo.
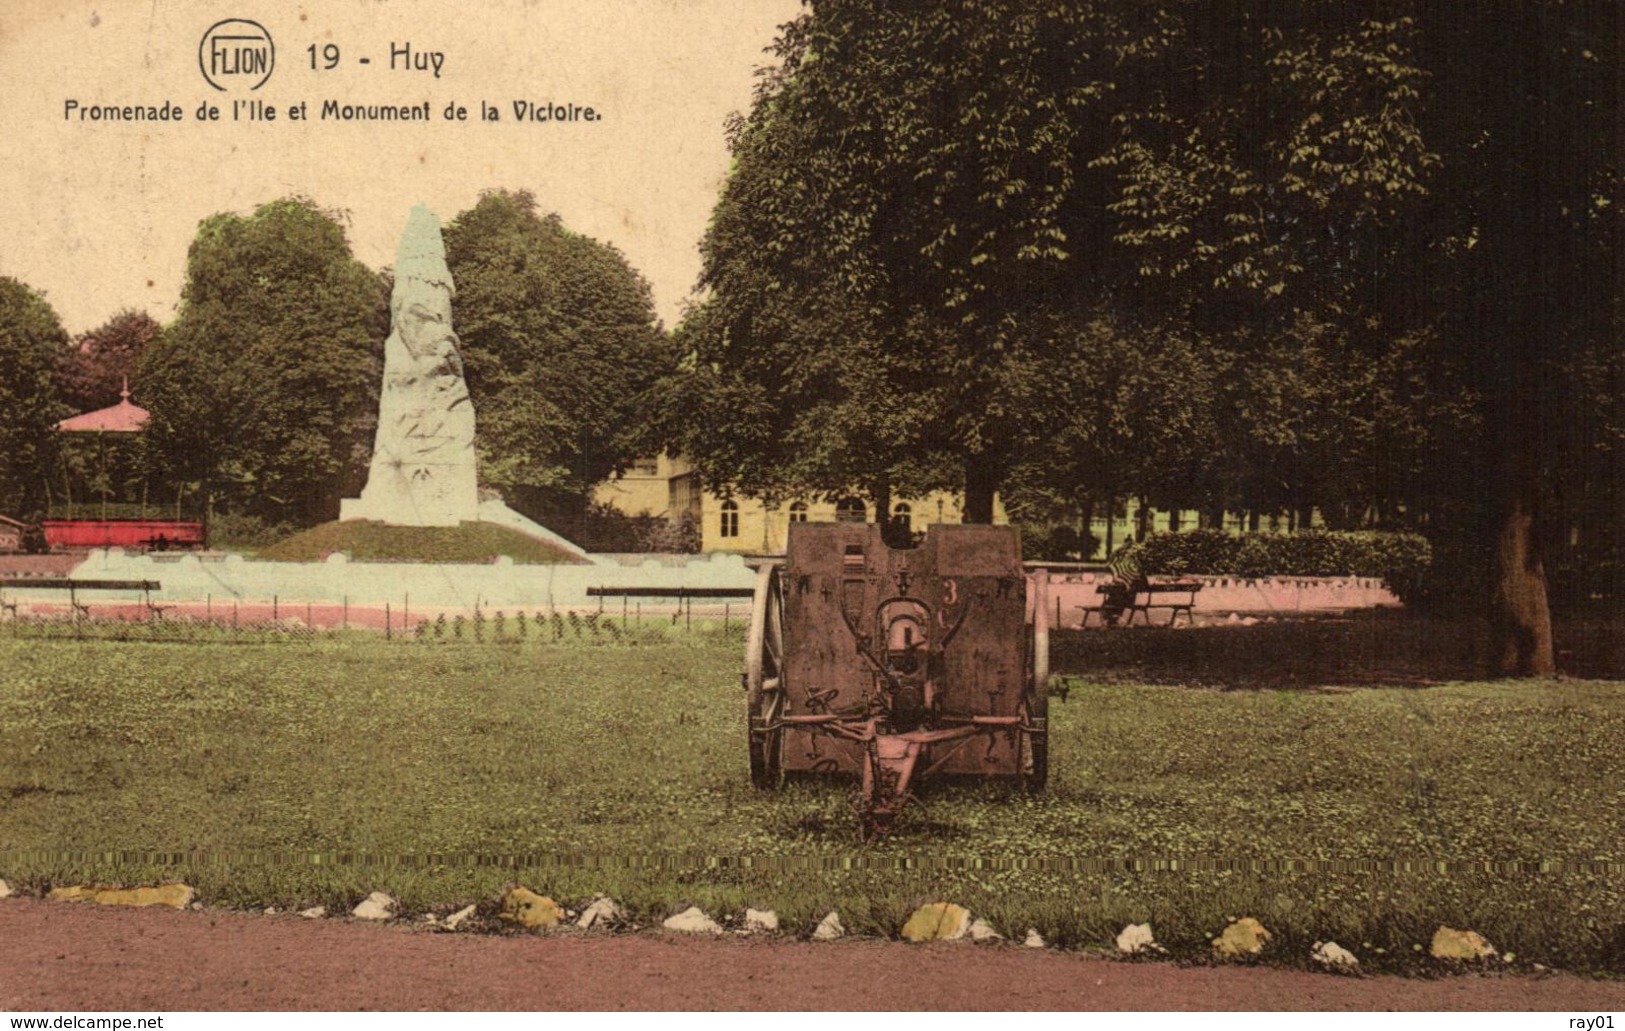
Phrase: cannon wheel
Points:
(1034, 752)
(1035, 743)
(764, 678)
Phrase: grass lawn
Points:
(291, 774)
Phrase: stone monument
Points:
(423, 461)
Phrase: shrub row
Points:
(1398, 559)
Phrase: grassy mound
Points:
(375, 542)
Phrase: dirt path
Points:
(57, 957)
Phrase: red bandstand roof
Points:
(123, 417)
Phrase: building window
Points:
(851, 510)
(730, 519)
(798, 512)
(646, 466)
(902, 517)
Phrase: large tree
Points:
(1382, 224)
(31, 344)
(1437, 179)
(955, 181)
(263, 392)
(1118, 411)
(1529, 118)
(102, 360)
(560, 342)
(911, 175)
(810, 402)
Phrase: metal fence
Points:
(474, 627)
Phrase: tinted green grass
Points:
(305, 772)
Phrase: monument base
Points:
(494, 511)
(406, 514)
(364, 509)
(442, 494)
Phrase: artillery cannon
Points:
(894, 665)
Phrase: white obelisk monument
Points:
(423, 462)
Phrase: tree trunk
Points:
(1520, 619)
(880, 494)
(1087, 545)
(981, 482)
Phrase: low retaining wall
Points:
(200, 577)
(1221, 595)
(194, 577)
(38, 567)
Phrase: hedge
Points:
(1398, 559)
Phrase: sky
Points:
(99, 214)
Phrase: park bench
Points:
(1174, 595)
(683, 596)
(73, 587)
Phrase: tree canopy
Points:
(100, 361)
(891, 186)
(968, 186)
(263, 392)
(32, 342)
(1359, 258)
(559, 341)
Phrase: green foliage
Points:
(263, 392)
(804, 399)
(1117, 410)
(1056, 542)
(103, 475)
(1365, 254)
(1536, 274)
(85, 506)
(559, 342)
(893, 219)
(1268, 164)
(606, 529)
(678, 535)
(375, 542)
(1195, 552)
(1079, 252)
(32, 342)
(233, 531)
(95, 370)
(1399, 559)
(1435, 193)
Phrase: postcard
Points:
(835, 505)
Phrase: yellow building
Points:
(649, 487)
(669, 487)
(750, 526)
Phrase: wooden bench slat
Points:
(1143, 600)
(73, 587)
(82, 585)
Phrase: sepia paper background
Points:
(99, 216)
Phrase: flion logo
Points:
(236, 55)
